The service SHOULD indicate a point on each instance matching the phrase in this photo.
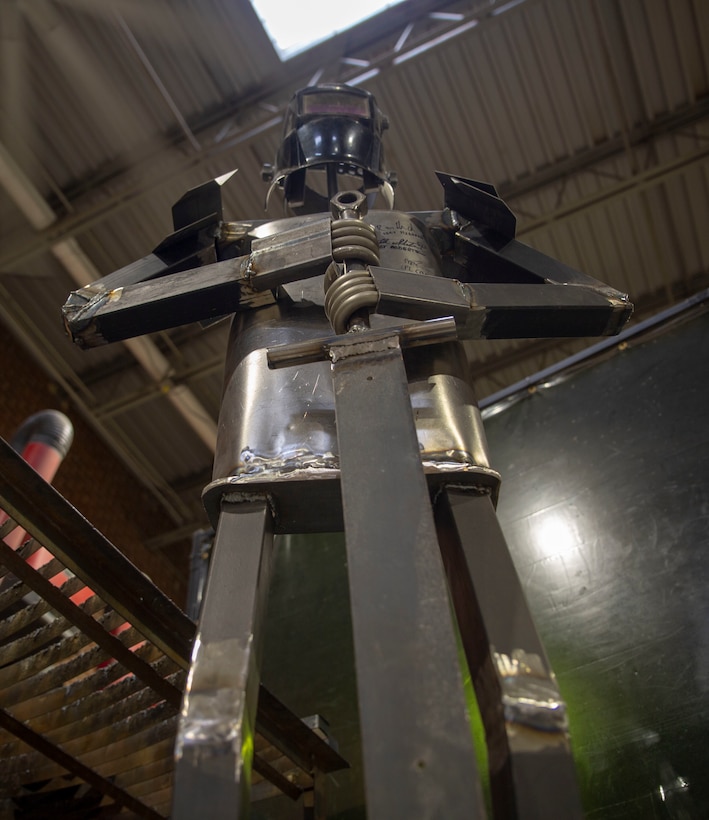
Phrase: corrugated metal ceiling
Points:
(591, 117)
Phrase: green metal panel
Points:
(605, 505)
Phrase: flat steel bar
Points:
(13, 591)
(98, 750)
(100, 694)
(274, 776)
(96, 315)
(214, 748)
(55, 653)
(416, 740)
(100, 312)
(29, 614)
(532, 772)
(90, 736)
(36, 640)
(434, 331)
(7, 526)
(95, 712)
(72, 765)
(293, 738)
(88, 625)
(50, 673)
(44, 513)
(107, 759)
(504, 310)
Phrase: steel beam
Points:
(416, 741)
(71, 764)
(532, 773)
(214, 749)
(29, 244)
(46, 515)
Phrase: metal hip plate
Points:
(277, 427)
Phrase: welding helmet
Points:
(332, 142)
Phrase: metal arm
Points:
(494, 286)
(504, 311)
(99, 313)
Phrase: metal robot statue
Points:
(347, 404)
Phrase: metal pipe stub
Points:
(350, 292)
(315, 350)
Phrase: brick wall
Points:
(91, 478)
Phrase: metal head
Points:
(332, 142)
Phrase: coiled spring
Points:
(346, 295)
(352, 241)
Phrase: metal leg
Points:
(531, 769)
(314, 801)
(417, 746)
(215, 738)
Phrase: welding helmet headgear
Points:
(332, 141)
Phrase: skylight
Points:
(295, 27)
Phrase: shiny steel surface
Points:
(275, 425)
(417, 751)
(214, 745)
(559, 154)
(93, 691)
(530, 764)
(604, 505)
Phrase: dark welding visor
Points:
(331, 142)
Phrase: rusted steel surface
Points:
(77, 703)
(52, 521)
(75, 615)
(90, 693)
(67, 707)
(53, 752)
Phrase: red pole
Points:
(43, 440)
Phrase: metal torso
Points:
(277, 427)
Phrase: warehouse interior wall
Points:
(91, 477)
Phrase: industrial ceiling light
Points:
(295, 27)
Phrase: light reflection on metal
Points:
(284, 464)
(553, 534)
(530, 696)
(276, 423)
